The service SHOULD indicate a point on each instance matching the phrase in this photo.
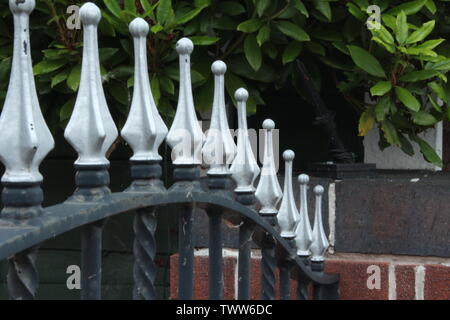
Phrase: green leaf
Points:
(382, 108)
(261, 6)
(263, 35)
(66, 110)
(146, 5)
(428, 152)
(189, 15)
(407, 99)
(424, 118)
(366, 61)
(366, 122)
(316, 48)
(231, 8)
(401, 32)
(435, 105)
(164, 12)
(439, 90)
(422, 32)
(60, 77)
(356, 12)
(381, 88)
(167, 84)
(390, 48)
(291, 52)
(430, 44)
(114, 8)
(73, 80)
(431, 6)
(106, 53)
(48, 66)
(300, 7)
(252, 52)
(204, 40)
(409, 8)
(156, 91)
(130, 5)
(390, 133)
(384, 35)
(293, 31)
(406, 146)
(323, 6)
(419, 75)
(156, 28)
(249, 26)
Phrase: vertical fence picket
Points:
(25, 142)
(91, 132)
(244, 170)
(269, 195)
(219, 151)
(144, 131)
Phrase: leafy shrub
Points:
(401, 62)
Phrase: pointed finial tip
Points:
(185, 46)
(241, 95)
(19, 6)
(90, 14)
(288, 155)
(319, 190)
(139, 27)
(219, 68)
(303, 179)
(268, 124)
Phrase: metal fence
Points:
(285, 236)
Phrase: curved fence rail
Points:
(267, 215)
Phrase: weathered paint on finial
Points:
(185, 137)
(91, 130)
(244, 169)
(303, 232)
(219, 149)
(320, 242)
(25, 138)
(288, 214)
(144, 130)
(269, 192)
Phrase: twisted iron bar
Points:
(22, 278)
(144, 250)
(268, 266)
(302, 290)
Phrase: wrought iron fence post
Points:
(26, 140)
(144, 131)
(91, 132)
(218, 151)
(269, 195)
(288, 217)
(244, 171)
(186, 139)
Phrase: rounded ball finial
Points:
(219, 68)
(185, 46)
(303, 179)
(90, 14)
(241, 95)
(288, 155)
(23, 6)
(319, 190)
(139, 28)
(268, 124)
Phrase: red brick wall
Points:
(400, 278)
